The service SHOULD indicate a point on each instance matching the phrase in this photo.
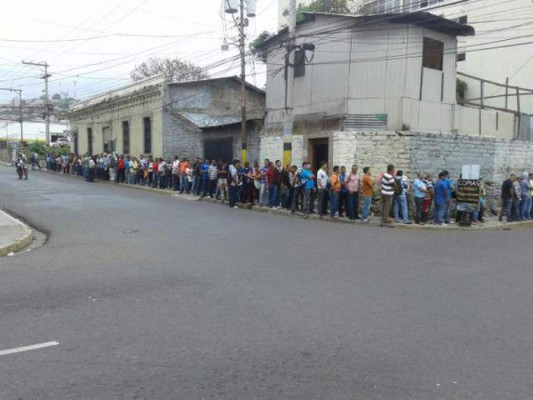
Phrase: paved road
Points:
(152, 297)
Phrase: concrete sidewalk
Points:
(14, 235)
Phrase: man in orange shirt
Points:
(367, 191)
(183, 175)
(335, 188)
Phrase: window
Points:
(461, 56)
(299, 63)
(147, 123)
(126, 137)
(90, 141)
(433, 53)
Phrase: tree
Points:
(326, 6)
(263, 37)
(175, 70)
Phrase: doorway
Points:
(319, 151)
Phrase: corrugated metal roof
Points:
(210, 121)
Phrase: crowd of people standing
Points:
(345, 193)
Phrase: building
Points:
(200, 118)
(371, 90)
(500, 51)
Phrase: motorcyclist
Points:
(22, 170)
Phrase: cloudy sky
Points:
(93, 46)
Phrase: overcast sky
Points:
(92, 46)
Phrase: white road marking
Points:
(28, 348)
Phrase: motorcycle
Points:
(22, 171)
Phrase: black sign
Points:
(468, 190)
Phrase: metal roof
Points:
(204, 121)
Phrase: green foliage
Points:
(461, 89)
(263, 37)
(173, 69)
(325, 6)
(38, 147)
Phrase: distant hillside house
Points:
(154, 117)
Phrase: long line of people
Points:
(346, 193)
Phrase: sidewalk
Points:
(14, 235)
(491, 223)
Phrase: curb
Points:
(313, 217)
(21, 242)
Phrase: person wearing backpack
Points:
(400, 198)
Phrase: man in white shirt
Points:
(322, 184)
(175, 173)
(387, 192)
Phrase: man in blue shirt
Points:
(420, 189)
(451, 189)
(204, 174)
(442, 197)
(307, 180)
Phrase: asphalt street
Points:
(153, 297)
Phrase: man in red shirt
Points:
(121, 170)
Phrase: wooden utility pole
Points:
(288, 123)
(47, 105)
(242, 49)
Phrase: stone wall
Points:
(433, 153)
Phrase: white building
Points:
(384, 73)
(501, 49)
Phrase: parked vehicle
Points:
(61, 142)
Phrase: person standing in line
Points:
(213, 178)
(367, 191)
(352, 187)
(343, 194)
(420, 191)
(184, 184)
(507, 199)
(517, 195)
(525, 199)
(334, 192)
(175, 174)
(222, 182)
(442, 197)
(322, 185)
(234, 183)
(400, 198)
(531, 195)
(307, 181)
(387, 193)
(451, 191)
(428, 200)
(204, 178)
(263, 192)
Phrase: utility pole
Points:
(232, 7)
(288, 122)
(21, 120)
(47, 105)
(242, 49)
